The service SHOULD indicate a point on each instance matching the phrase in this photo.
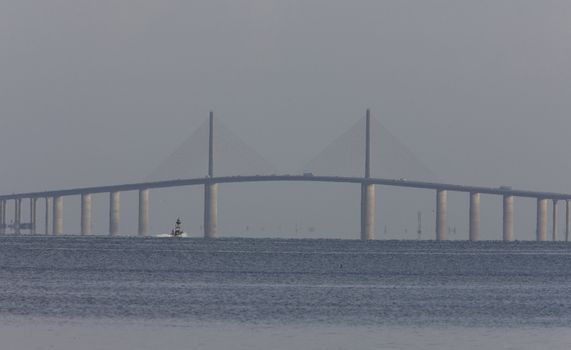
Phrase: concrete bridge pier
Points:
(441, 204)
(210, 210)
(368, 205)
(474, 229)
(33, 206)
(17, 215)
(541, 230)
(114, 212)
(57, 220)
(567, 220)
(86, 206)
(508, 218)
(143, 212)
(554, 228)
(2, 217)
(47, 216)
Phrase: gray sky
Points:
(100, 92)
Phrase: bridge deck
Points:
(282, 178)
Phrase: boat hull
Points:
(168, 235)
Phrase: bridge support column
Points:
(210, 210)
(508, 218)
(541, 230)
(567, 220)
(33, 206)
(368, 205)
(554, 228)
(143, 212)
(474, 229)
(86, 206)
(441, 204)
(57, 221)
(2, 217)
(17, 215)
(114, 212)
(47, 216)
(211, 190)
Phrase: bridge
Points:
(210, 183)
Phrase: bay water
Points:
(94, 292)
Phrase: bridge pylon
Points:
(210, 190)
(368, 201)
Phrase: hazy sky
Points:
(479, 89)
(98, 92)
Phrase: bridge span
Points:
(210, 183)
(501, 191)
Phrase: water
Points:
(71, 292)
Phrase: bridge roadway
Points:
(284, 178)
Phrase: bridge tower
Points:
(210, 190)
(367, 189)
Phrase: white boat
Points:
(176, 232)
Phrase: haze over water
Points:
(109, 293)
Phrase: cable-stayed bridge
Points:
(54, 199)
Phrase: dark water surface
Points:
(352, 283)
